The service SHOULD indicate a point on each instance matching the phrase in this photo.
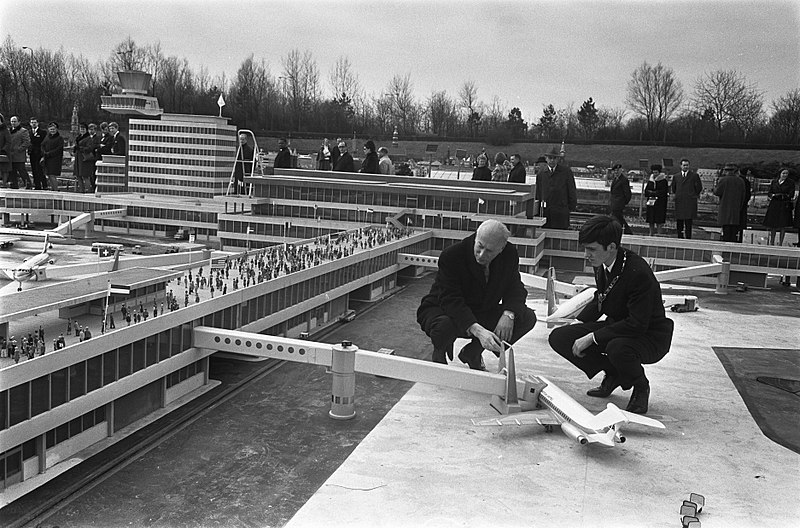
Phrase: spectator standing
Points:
(556, 191)
(324, 156)
(18, 152)
(105, 139)
(119, 147)
(345, 161)
(283, 160)
(500, 170)
(335, 153)
(244, 163)
(731, 192)
(385, 164)
(619, 196)
(745, 174)
(517, 174)
(35, 152)
(83, 133)
(52, 151)
(686, 186)
(482, 171)
(88, 148)
(779, 212)
(371, 162)
(656, 192)
(5, 139)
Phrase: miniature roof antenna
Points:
(509, 404)
(550, 293)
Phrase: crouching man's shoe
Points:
(640, 396)
(439, 356)
(606, 387)
(471, 354)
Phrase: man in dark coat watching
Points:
(345, 161)
(731, 191)
(556, 191)
(477, 293)
(619, 196)
(517, 174)
(35, 153)
(636, 330)
(686, 186)
(283, 160)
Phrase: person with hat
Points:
(619, 196)
(556, 191)
(477, 294)
(731, 191)
(686, 187)
(53, 155)
(635, 330)
(656, 191)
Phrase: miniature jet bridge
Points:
(345, 360)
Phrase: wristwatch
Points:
(508, 314)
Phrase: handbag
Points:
(651, 202)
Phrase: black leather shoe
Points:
(606, 387)
(640, 396)
(471, 354)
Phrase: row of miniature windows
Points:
(206, 183)
(213, 141)
(180, 129)
(219, 163)
(136, 147)
(178, 172)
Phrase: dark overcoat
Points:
(731, 192)
(687, 190)
(620, 194)
(53, 154)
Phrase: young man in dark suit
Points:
(636, 330)
(477, 293)
(118, 145)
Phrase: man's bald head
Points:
(490, 240)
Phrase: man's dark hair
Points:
(686, 160)
(602, 229)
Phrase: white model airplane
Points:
(9, 235)
(32, 268)
(544, 404)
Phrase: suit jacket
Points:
(36, 142)
(345, 163)
(687, 190)
(517, 174)
(557, 191)
(620, 194)
(633, 306)
(335, 154)
(370, 164)
(118, 145)
(105, 144)
(18, 145)
(52, 150)
(462, 292)
(283, 160)
(731, 192)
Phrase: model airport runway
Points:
(270, 456)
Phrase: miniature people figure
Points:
(477, 293)
(636, 330)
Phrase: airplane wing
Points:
(613, 415)
(6, 240)
(542, 417)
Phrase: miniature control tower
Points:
(134, 99)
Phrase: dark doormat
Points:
(768, 380)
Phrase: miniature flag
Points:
(220, 101)
(370, 211)
(118, 288)
(480, 201)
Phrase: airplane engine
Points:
(619, 438)
(573, 432)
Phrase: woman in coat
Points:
(501, 168)
(656, 194)
(371, 162)
(779, 212)
(482, 171)
(52, 155)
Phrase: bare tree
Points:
(654, 93)
(468, 100)
(346, 89)
(731, 98)
(404, 108)
(301, 83)
(441, 113)
(785, 120)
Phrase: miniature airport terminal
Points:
(264, 366)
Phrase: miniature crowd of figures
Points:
(230, 275)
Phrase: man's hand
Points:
(504, 328)
(488, 339)
(581, 344)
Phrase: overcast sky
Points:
(529, 53)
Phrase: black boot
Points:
(640, 396)
(439, 356)
(471, 354)
(606, 387)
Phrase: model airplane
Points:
(32, 268)
(544, 404)
(9, 235)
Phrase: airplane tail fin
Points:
(608, 439)
(46, 243)
(550, 293)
